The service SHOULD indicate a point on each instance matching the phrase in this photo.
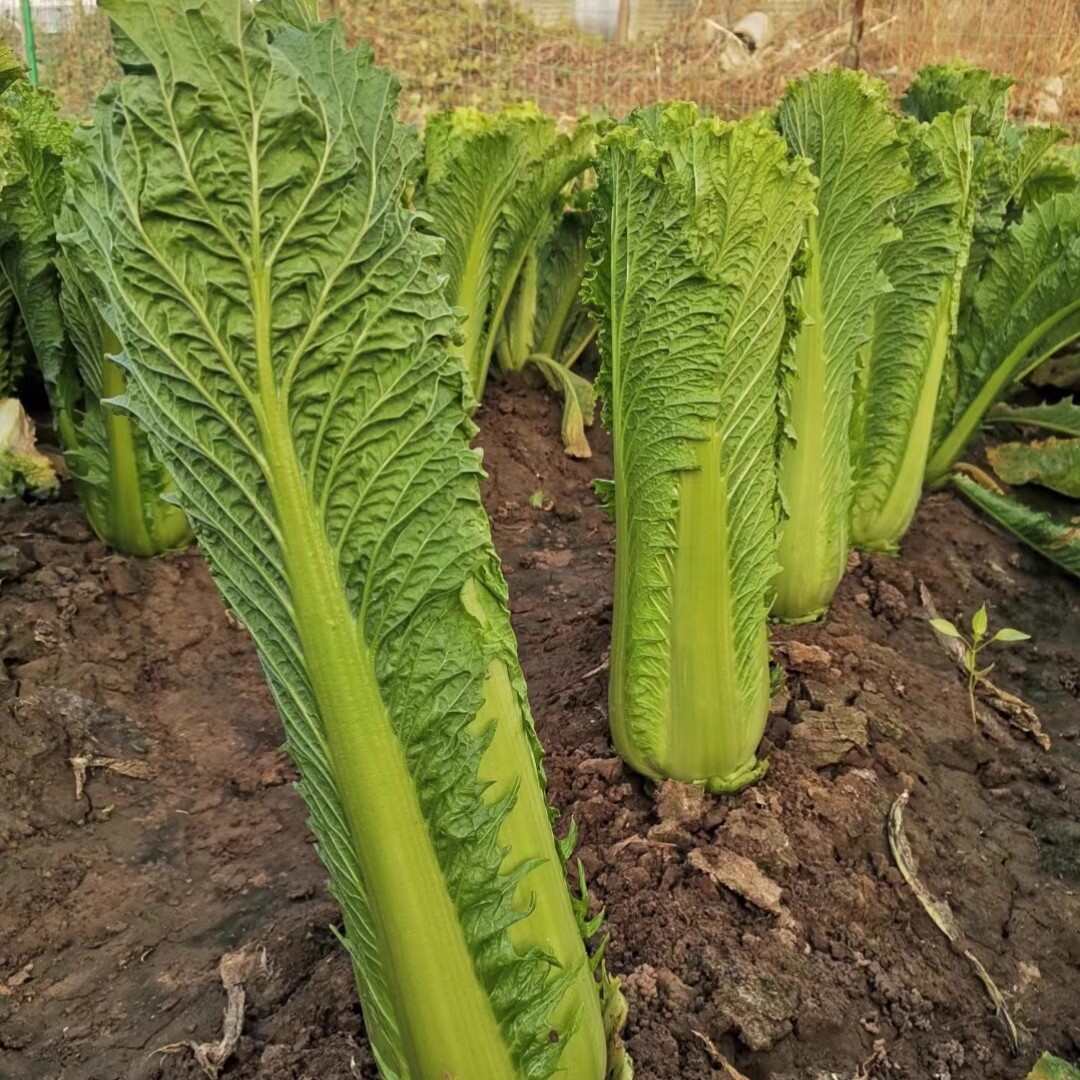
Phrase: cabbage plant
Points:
(1019, 301)
(913, 329)
(841, 121)
(546, 326)
(119, 481)
(698, 225)
(495, 186)
(288, 351)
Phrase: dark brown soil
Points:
(116, 907)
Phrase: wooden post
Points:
(854, 45)
(622, 27)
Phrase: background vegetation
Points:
(453, 52)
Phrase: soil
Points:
(770, 930)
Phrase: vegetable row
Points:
(804, 318)
(264, 314)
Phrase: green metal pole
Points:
(28, 42)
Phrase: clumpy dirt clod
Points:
(770, 930)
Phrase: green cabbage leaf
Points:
(1052, 463)
(1061, 416)
(1058, 541)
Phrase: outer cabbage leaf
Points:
(1062, 370)
(240, 201)
(494, 187)
(1027, 289)
(914, 324)
(698, 225)
(944, 88)
(841, 122)
(1039, 168)
(1052, 463)
(1057, 541)
(1060, 416)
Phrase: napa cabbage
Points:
(119, 481)
(698, 225)
(288, 350)
(494, 187)
(546, 326)
(913, 328)
(841, 121)
(1019, 301)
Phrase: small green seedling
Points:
(973, 646)
(538, 500)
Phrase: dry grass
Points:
(1032, 40)
(456, 52)
(450, 52)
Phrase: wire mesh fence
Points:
(565, 53)
(581, 55)
(50, 16)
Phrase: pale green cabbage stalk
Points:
(240, 202)
(124, 488)
(698, 225)
(913, 327)
(842, 122)
(495, 186)
(119, 481)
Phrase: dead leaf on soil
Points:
(1018, 712)
(804, 658)
(942, 916)
(24, 974)
(638, 841)
(717, 1058)
(131, 767)
(741, 875)
(235, 968)
(825, 739)
(680, 804)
